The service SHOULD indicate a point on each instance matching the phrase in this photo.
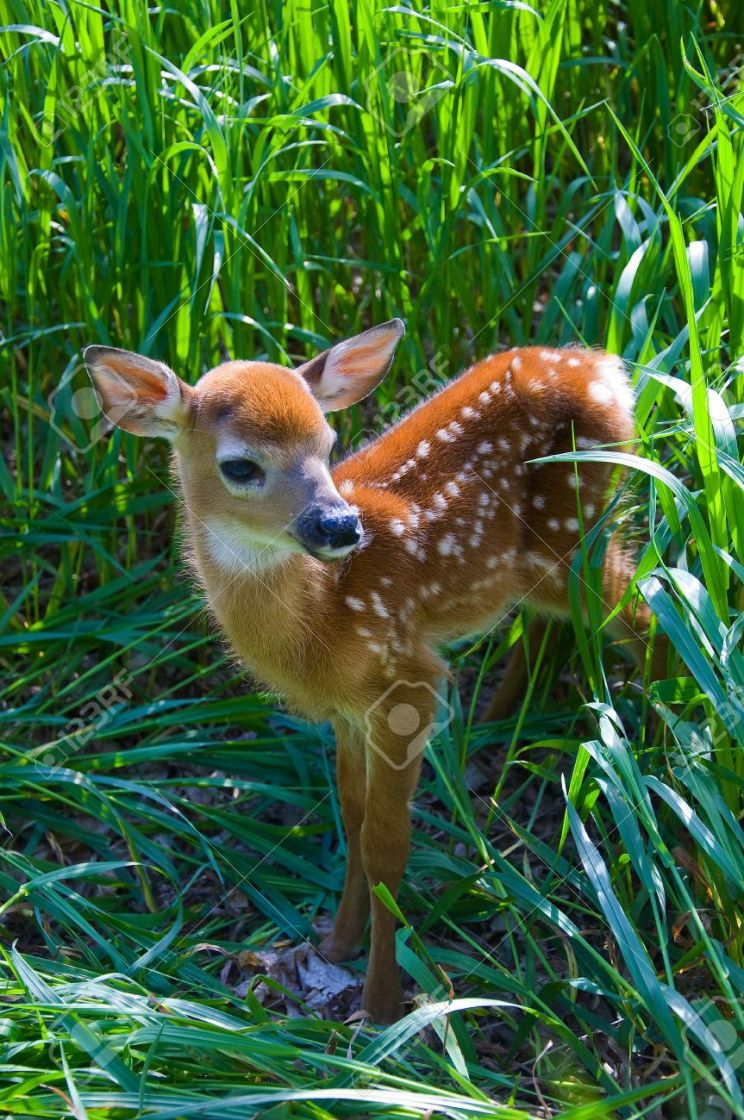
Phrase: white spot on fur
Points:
(539, 560)
(452, 489)
(397, 527)
(600, 393)
(423, 449)
(516, 364)
(346, 487)
(574, 362)
(589, 509)
(495, 386)
(445, 436)
(446, 545)
(484, 397)
(484, 448)
(572, 524)
(504, 443)
(611, 369)
(378, 606)
(554, 524)
(539, 501)
(439, 500)
(355, 604)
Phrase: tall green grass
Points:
(201, 180)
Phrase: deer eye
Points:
(242, 471)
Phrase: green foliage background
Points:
(196, 180)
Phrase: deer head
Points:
(251, 442)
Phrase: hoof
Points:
(384, 1007)
(335, 952)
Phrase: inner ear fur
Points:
(138, 394)
(349, 371)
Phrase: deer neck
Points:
(270, 603)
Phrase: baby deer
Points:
(336, 588)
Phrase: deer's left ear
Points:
(349, 371)
(137, 393)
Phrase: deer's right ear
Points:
(138, 394)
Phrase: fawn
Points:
(336, 587)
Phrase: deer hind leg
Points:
(351, 777)
(512, 686)
(633, 624)
(630, 627)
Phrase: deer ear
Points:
(138, 394)
(349, 371)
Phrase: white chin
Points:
(328, 555)
(237, 550)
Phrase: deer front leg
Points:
(351, 777)
(397, 734)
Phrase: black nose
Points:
(340, 529)
(330, 528)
